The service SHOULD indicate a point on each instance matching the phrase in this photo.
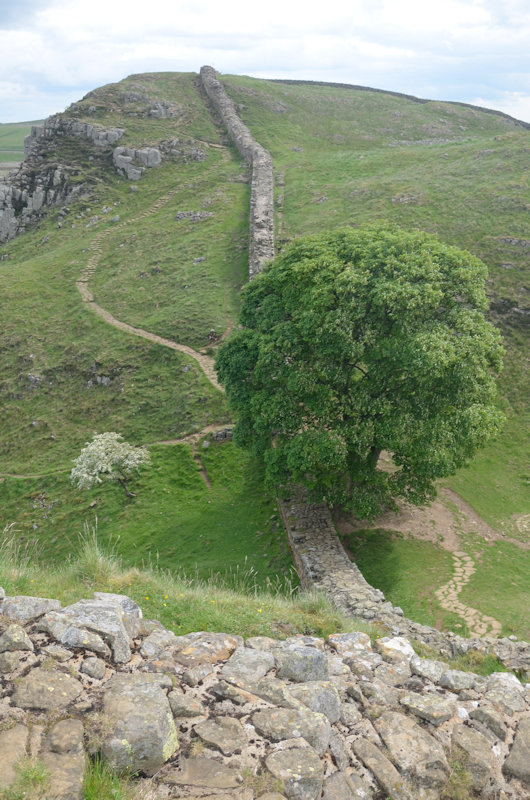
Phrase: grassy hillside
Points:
(345, 156)
(12, 135)
(341, 157)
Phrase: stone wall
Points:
(210, 715)
(322, 564)
(318, 555)
(261, 241)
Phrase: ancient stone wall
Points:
(318, 555)
(261, 241)
(210, 715)
(322, 564)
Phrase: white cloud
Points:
(57, 50)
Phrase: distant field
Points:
(12, 136)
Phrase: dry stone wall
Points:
(319, 557)
(322, 564)
(261, 241)
(209, 715)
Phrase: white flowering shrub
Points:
(108, 457)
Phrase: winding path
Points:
(205, 362)
(478, 624)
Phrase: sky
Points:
(52, 52)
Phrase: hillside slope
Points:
(167, 253)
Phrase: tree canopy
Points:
(360, 341)
(108, 457)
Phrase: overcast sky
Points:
(52, 52)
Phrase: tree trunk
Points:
(373, 457)
(125, 488)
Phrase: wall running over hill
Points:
(319, 557)
(261, 242)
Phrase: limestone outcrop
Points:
(208, 715)
(261, 242)
(43, 181)
(131, 162)
(58, 125)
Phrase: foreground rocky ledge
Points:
(209, 715)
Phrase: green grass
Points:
(12, 135)
(177, 277)
(31, 782)
(500, 587)
(101, 783)
(181, 604)
(175, 519)
(341, 157)
(497, 484)
(408, 571)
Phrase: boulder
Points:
(341, 786)
(319, 696)
(517, 765)
(414, 751)
(430, 707)
(478, 755)
(24, 609)
(142, 735)
(58, 626)
(455, 680)
(45, 690)
(105, 617)
(278, 724)
(300, 770)
(93, 667)
(204, 773)
(64, 758)
(425, 668)
(382, 769)
(224, 733)
(301, 664)
(205, 648)
(394, 649)
(346, 643)
(183, 705)
(12, 749)
(15, 638)
(246, 667)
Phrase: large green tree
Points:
(356, 342)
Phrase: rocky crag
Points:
(209, 715)
(42, 181)
(261, 237)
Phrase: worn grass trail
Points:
(205, 362)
